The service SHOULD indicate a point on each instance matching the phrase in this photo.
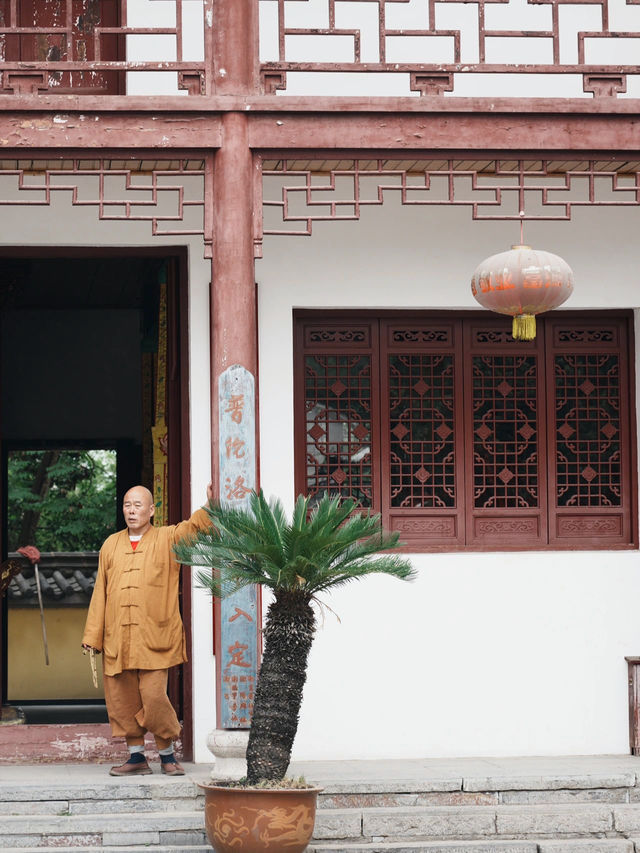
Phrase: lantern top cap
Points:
(520, 246)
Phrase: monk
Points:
(134, 620)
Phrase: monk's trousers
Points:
(137, 703)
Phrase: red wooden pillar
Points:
(235, 46)
(233, 303)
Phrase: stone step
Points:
(169, 828)
(160, 788)
(173, 848)
(604, 845)
(610, 845)
(78, 807)
(24, 800)
(428, 847)
(368, 825)
(477, 822)
(346, 799)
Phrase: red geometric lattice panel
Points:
(338, 426)
(588, 453)
(505, 432)
(421, 435)
(421, 431)
(591, 474)
(465, 438)
(505, 444)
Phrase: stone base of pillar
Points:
(229, 748)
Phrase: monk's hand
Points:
(86, 648)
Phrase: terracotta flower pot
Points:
(250, 820)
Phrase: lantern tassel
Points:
(524, 327)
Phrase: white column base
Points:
(229, 748)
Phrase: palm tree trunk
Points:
(288, 635)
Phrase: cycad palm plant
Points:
(297, 561)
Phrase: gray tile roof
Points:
(66, 580)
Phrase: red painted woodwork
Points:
(66, 132)
(38, 124)
(590, 435)
(322, 105)
(351, 123)
(233, 297)
(505, 436)
(235, 46)
(372, 44)
(80, 46)
(475, 440)
(421, 429)
(172, 196)
(134, 188)
(180, 678)
(299, 192)
(633, 677)
(67, 32)
(229, 32)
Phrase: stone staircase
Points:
(81, 809)
(166, 814)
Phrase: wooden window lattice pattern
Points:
(421, 336)
(83, 45)
(433, 47)
(338, 335)
(588, 451)
(169, 195)
(421, 430)
(505, 431)
(175, 196)
(475, 441)
(295, 199)
(338, 426)
(587, 336)
(418, 47)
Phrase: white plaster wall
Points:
(61, 224)
(484, 654)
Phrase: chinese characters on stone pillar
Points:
(238, 613)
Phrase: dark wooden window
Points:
(66, 31)
(465, 438)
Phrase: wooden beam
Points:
(445, 131)
(329, 130)
(96, 130)
(254, 102)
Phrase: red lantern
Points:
(522, 283)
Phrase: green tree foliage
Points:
(61, 500)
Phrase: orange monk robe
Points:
(134, 617)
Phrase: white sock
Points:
(166, 751)
(139, 747)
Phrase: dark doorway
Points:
(80, 368)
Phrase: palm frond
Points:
(313, 552)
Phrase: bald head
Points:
(138, 509)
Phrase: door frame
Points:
(179, 445)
